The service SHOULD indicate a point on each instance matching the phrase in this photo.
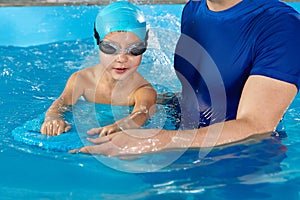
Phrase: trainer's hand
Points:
(131, 142)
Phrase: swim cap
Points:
(120, 16)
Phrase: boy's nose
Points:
(122, 57)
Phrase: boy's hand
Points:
(103, 131)
(55, 127)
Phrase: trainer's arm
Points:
(263, 103)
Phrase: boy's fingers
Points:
(49, 129)
(67, 128)
(43, 129)
(103, 133)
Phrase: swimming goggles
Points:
(135, 49)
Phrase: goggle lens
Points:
(113, 48)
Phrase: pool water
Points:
(36, 60)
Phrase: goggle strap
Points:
(96, 34)
(146, 38)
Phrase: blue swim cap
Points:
(120, 16)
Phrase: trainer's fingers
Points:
(86, 149)
(94, 131)
(74, 151)
(100, 140)
(108, 149)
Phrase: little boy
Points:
(120, 33)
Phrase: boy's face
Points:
(120, 64)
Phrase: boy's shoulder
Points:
(86, 71)
(81, 75)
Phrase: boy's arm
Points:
(54, 124)
(144, 107)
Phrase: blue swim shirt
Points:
(218, 51)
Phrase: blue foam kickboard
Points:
(30, 134)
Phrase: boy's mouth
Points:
(120, 70)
